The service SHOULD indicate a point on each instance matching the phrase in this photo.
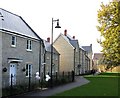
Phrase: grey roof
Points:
(81, 48)
(48, 47)
(97, 56)
(72, 41)
(14, 23)
(87, 48)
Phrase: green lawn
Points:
(105, 84)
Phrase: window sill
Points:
(28, 50)
(13, 46)
(28, 76)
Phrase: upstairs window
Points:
(13, 41)
(29, 45)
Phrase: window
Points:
(28, 70)
(13, 41)
(56, 58)
(29, 45)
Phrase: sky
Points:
(79, 17)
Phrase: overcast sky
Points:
(79, 17)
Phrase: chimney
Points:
(48, 39)
(65, 32)
(90, 45)
(73, 37)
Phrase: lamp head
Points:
(57, 25)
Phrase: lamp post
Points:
(52, 45)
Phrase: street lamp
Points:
(52, 45)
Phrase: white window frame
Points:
(29, 45)
(28, 69)
(13, 41)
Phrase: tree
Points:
(109, 27)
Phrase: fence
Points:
(13, 85)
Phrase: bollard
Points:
(73, 76)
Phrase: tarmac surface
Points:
(79, 80)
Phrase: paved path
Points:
(79, 80)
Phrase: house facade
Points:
(68, 47)
(96, 59)
(84, 61)
(47, 67)
(21, 50)
(89, 52)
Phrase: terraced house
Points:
(89, 53)
(21, 50)
(47, 66)
(71, 57)
(84, 61)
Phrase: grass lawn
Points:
(105, 84)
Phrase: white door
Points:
(12, 78)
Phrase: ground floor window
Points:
(28, 70)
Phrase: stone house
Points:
(84, 61)
(68, 47)
(96, 59)
(47, 66)
(89, 52)
(21, 50)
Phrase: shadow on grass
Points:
(104, 74)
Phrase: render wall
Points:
(66, 54)
(77, 61)
(90, 56)
(55, 67)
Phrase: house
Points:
(100, 66)
(47, 67)
(84, 61)
(89, 51)
(68, 47)
(21, 50)
(96, 59)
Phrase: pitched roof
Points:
(97, 56)
(48, 47)
(87, 48)
(71, 41)
(14, 23)
(80, 47)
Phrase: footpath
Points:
(79, 80)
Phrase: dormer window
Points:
(13, 41)
(29, 45)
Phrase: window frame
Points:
(13, 41)
(29, 45)
(28, 67)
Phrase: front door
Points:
(12, 79)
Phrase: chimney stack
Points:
(90, 45)
(48, 39)
(65, 32)
(73, 37)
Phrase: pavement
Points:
(79, 80)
